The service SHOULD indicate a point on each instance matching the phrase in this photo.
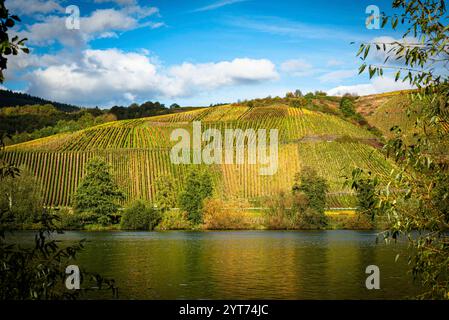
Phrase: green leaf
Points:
(362, 68)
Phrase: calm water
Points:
(245, 264)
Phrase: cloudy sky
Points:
(194, 52)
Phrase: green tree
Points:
(416, 197)
(140, 216)
(313, 187)
(309, 200)
(347, 107)
(97, 192)
(166, 193)
(198, 187)
(8, 46)
(21, 196)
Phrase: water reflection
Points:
(245, 264)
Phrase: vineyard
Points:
(138, 152)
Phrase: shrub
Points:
(68, 220)
(174, 220)
(220, 215)
(310, 219)
(21, 197)
(278, 215)
(298, 102)
(304, 208)
(350, 222)
(140, 216)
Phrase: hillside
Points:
(10, 98)
(139, 152)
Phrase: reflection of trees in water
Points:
(143, 268)
(239, 265)
(257, 266)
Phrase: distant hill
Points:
(138, 151)
(10, 98)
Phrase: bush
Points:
(68, 220)
(21, 197)
(298, 102)
(350, 222)
(279, 214)
(174, 220)
(310, 219)
(140, 216)
(220, 215)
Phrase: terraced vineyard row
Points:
(335, 161)
(135, 171)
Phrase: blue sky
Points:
(192, 52)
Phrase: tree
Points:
(165, 193)
(97, 192)
(416, 197)
(21, 197)
(313, 187)
(198, 187)
(298, 93)
(174, 106)
(309, 95)
(7, 46)
(309, 200)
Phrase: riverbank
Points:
(238, 220)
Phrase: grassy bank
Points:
(238, 219)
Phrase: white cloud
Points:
(336, 76)
(297, 67)
(377, 85)
(119, 2)
(108, 76)
(31, 7)
(217, 5)
(100, 23)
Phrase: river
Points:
(245, 264)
